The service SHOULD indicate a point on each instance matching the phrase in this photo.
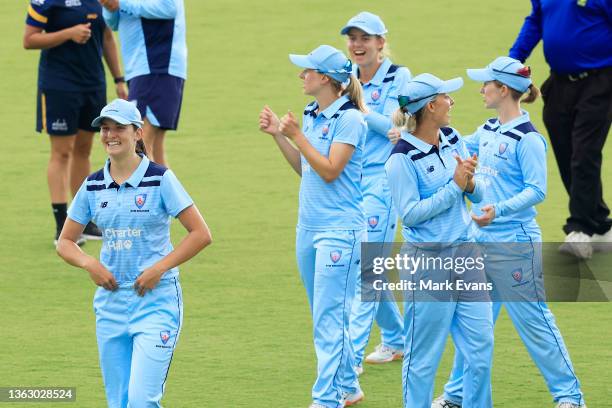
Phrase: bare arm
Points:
(329, 168)
(198, 237)
(111, 56)
(34, 38)
(72, 254)
(269, 123)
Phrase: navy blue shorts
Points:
(159, 98)
(61, 113)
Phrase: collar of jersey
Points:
(381, 73)
(422, 145)
(334, 107)
(136, 177)
(524, 118)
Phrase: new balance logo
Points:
(430, 169)
(103, 204)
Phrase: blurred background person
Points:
(154, 50)
(577, 37)
(72, 37)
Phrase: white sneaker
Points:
(359, 370)
(354, 398)
(441, 402)
(577, 244)
(602, 242)
(570, 405)
(383, 354)
(313, 405)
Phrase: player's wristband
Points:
(119, 79)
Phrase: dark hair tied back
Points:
(140, 147)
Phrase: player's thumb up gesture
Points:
(289, 126)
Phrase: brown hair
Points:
(353, 90)
(533, 94)
(140, 146)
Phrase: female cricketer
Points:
(327, 153)
(429, 172)
(72, 37)
(139, 305)
(513, 164)
(381, 80)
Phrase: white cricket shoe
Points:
(602, 242)
(353, 398)
(577, 244)
(441, 402)
(383, 354)
(570, 405)
(359, 370)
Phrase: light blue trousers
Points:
(329, 263)
(136, 340)
(382, 224)
(534, 323)
(427, 326)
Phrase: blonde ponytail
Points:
(406, 121)
(354, 92)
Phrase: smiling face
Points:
(365, 49)
(119, 140)
(439, 109)
(313, 81)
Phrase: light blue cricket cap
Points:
(424, 88)
(326, 60)
(508, 71)
(121, 111)
(366, 22)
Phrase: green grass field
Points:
(246, 339)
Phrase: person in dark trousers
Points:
(577, 37)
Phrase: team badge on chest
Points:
(375, 95)
(140, 200)
(503, 147)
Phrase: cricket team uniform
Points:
(71, 84)
(136, 335)
(153, 45)
(331, 227)
(512, 162)
(380, 95)
(433, 210)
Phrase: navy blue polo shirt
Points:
(70, 66)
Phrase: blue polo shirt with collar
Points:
(512, 164)
(339, 204)
(134, 217)
(380, 95)
(430, 204)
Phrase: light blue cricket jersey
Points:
(512, 164)
(430, 204)
(380, 95)
(152, 36)
(339, 204)
(134, 217)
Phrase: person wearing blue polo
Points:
(513, 163)
(381, 80)
(327, 153)
(73, 39)
(430, 173)
(577, 44)
(139, 304)
(154, 49)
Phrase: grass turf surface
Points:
(246, 339)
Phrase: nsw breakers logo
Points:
(140, 200)
(120, 239)
(335, 257)
(164, 336)
(503, 147)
